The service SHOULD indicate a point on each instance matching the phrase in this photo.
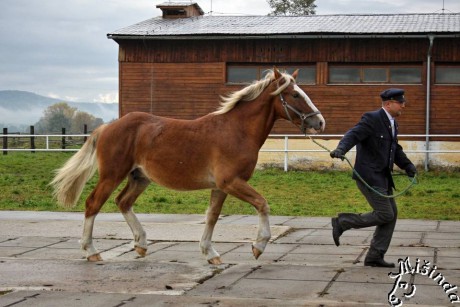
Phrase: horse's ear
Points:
(295, 74)
(277, 73)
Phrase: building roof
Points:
(318, 25)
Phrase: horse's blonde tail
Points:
(70, 179)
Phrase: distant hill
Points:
(21, 108)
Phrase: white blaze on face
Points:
(310, 105)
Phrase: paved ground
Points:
(41, 264)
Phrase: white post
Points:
(286, 158)
(428, 99)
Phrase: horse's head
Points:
(295, 106)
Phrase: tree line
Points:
(61, 115)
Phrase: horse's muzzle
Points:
(316, 124)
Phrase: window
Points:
(448, 74)
(307, 75)
(247, 74)
(174, 12)
(406, 75)
(344, 75)
(242, 74)
(374, 74)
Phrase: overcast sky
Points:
(59, 48)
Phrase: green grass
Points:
(24, 179)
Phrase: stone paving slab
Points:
(449, 226)
(41, 263)
(442, 243)
(155, 231)
(109, 276)
(77, 299)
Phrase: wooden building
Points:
(178, 65)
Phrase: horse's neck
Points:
(257, 117)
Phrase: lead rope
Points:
(412, 183)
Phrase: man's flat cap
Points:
(393, 94)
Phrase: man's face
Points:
(394, 107)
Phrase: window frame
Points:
(263, 67)
(441, 66)
(363, 67)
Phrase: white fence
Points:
(289, 146)
(440, 152)
(46, 142)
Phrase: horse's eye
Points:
(295, 95)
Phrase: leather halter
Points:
(301, 115)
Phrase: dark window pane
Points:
(241, 74)
(406, 75)
(375, 75)
(344, 75)
(307, 75)
(264, 71)
(448, 75)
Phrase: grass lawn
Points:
(24, 179)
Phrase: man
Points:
(377, 149)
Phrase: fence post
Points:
(63, 138)
(85, 131)
(32, 139)
(5, 141)
(286, 158)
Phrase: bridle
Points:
(301, 115)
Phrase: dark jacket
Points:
(377, 150)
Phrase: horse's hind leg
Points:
(94, 202)
(212, 215)
(137, 183)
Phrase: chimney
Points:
(172, 10)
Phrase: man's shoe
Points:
(378, 263)
(336, 230)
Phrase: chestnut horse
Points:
(218, 151)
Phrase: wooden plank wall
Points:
(279, 50)
(185, 91)
(184, 79)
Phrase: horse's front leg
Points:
(242, 190)
(263, 232)
(212, 215)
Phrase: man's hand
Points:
(411, 171)
(337, 153)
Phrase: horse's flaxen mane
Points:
(252, 91)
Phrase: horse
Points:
(218, 151)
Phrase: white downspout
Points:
(428, 94)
